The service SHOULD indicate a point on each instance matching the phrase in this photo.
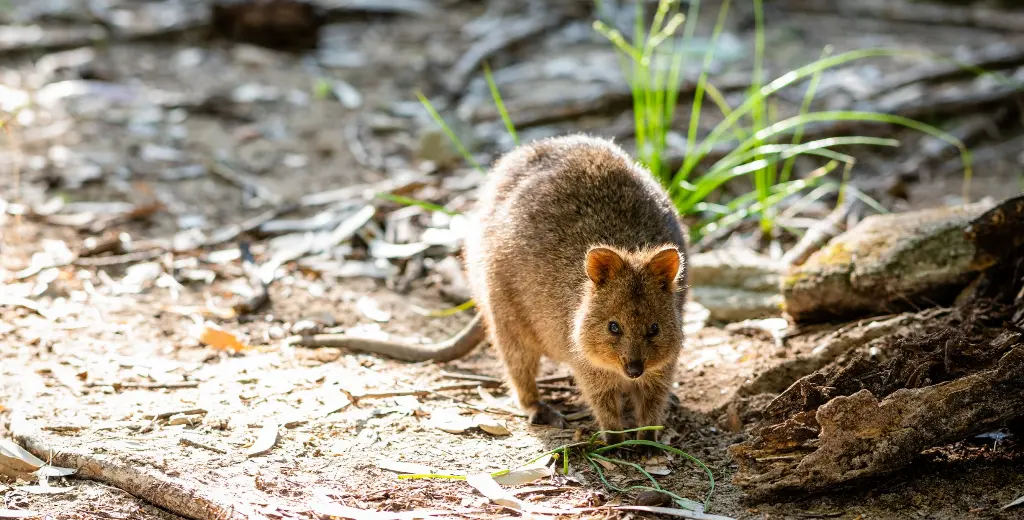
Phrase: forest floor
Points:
(106, 359)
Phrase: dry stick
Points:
(151, 386)
(129, 258)
(494, 42)
(175, 494)
(457, 386)
(826, 229)
(916, 12)
(990, 59)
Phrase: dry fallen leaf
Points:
(15, 462)
(491, 425)
(18, 513)
(1015, 503)
(221, 339)
(449, 420)
(371, 309)
(523, 476)
(660, 471)
(486, 485)
(266, 439)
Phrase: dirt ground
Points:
(103, 366)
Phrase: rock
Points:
(735, 284)
(728, 305)
(886, 264)
(734, 267)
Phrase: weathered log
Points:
(886, 264)
(735, 284)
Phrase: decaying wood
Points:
(809, 351)
(917, 12)
(907, 383)
(823, 431)
(177, 494)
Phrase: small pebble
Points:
(652, 499)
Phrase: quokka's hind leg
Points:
(522, 361)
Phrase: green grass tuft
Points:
(593, 450)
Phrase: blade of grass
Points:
(698, 95)
(444, 313)
(408, 201)
(754, 100)
(805, 106)
(738, 157)
(448, 131)
(737, 165)
(500, 104)
(670, 449)
(853, 115)
(784, 191)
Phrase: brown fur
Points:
(572, 234)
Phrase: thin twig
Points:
(261, 294)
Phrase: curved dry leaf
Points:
(1015, 503)
(488, 487)
(11, 449)
(266, 439)
(522, 476)
(491, 425)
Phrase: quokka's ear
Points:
(603, 265)
(665, 266)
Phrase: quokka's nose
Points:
(635, 369)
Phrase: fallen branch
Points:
(447, 388)
(916, 12)
(989, 59)
(512, 32)
(177, 494)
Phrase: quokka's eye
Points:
(653, 331)
(614, 328)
